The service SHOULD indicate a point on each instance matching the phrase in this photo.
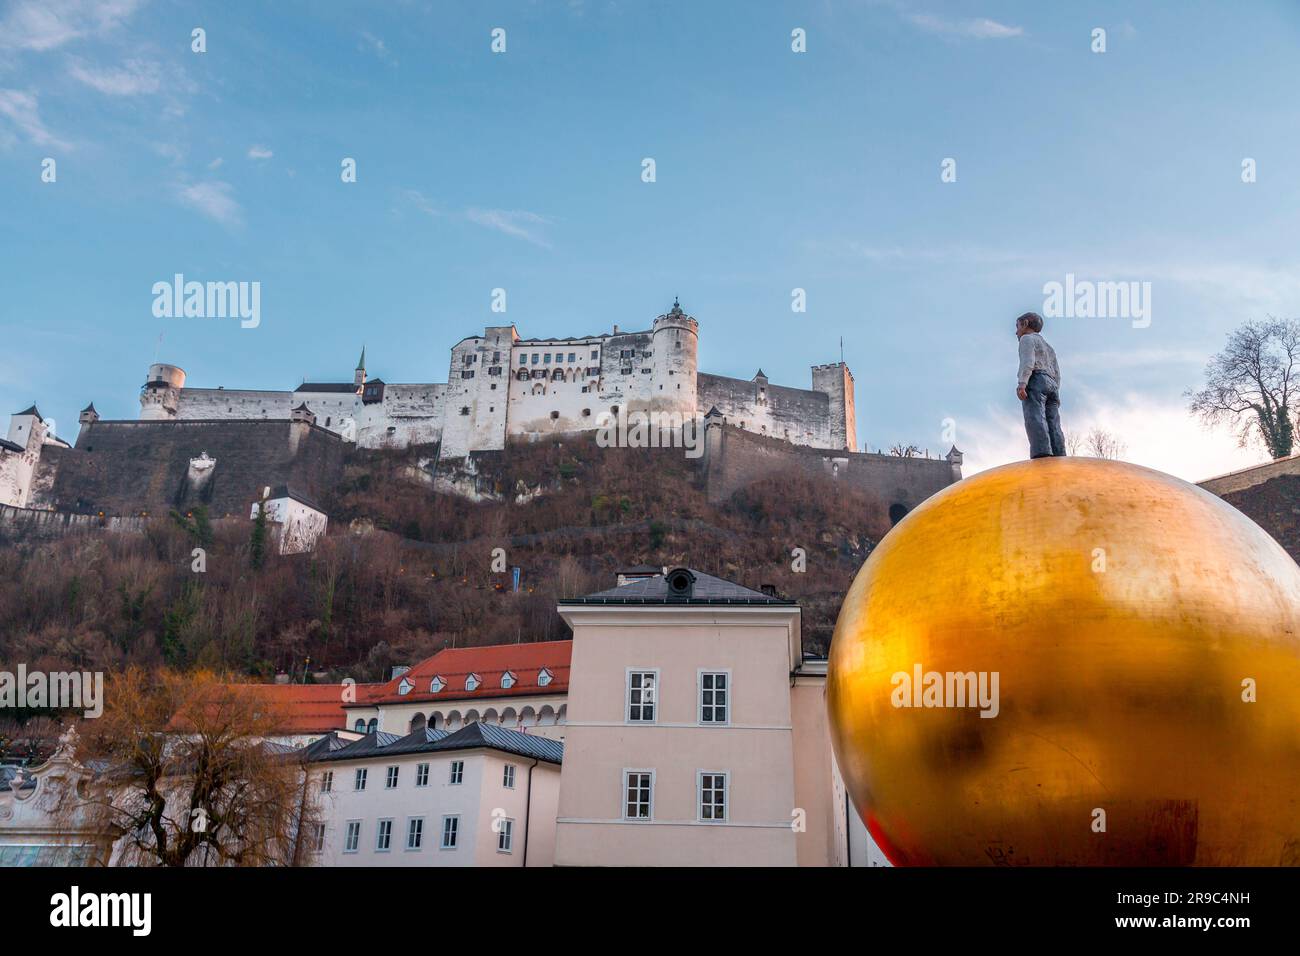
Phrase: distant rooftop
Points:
(705, 589)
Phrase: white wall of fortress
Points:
(501, 387)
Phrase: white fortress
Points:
(501, 387)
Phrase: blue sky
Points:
(775, 171)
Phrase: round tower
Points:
(161, 394)
(675, 348)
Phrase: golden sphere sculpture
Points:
(1072, 662)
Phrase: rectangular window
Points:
(496, 356)
(535, 358)
(508, 777)
(391, 782)
(422, 775)
(506, 836)
(713, 697)
(638, 794)
(414, 833)
(468, 373)
(642, 688)
(494, 370)
(353, 837)
(359, 781)
(384, 836)
(713, 796)
(327, 781)
(594, 353)
(457, 772)
(573, 356)
(546, 359)
(320, 837)
(450, 826)
(523, 359)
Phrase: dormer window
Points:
(507, 680)
(404, 687)
(436, 685)
(472, 682)
(544, 677)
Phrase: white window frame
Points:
(391, 777)
(699, 696)
(508, 680)
(418, 833)
(627, 695)
(506, 835)
(699, 795)
(544, 677)
(473, 682)
(380, 834)
(421, 774)
(627, 772)
(455, 832)
(359, 778)
(456, 773)
(352, 836)
(327, 782)
(437, 684)
(320, 837)
(508, 776)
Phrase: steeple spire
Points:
(361, 362)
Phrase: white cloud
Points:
(517, 223)
(1159, 434)
(23, 113)
(259, 152)
(980, 28)
(213, 199)
(40, 25)
(216, 163)
(133, 78)
(373, 44)
(421, 202)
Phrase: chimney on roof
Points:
(398, 671)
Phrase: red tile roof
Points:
(306, 708)
(490, 663)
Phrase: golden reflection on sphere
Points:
(1122, 610)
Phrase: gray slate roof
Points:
(470, 737)
(708, 590)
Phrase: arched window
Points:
(373, 726)
(417, 723)
(360, 725)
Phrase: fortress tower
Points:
(674, 362)
(836, 381)
(161, 394)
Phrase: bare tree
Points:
(187, 775)
(905, 451)
(1099, 443)
(1250, 384)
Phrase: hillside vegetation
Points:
(406, 570)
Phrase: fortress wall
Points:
(126, 467)
(33, 523)
(735, 459)
(208, 404)
(408, 415)
(792, 414)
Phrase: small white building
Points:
(299, 519)
(482, 796)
